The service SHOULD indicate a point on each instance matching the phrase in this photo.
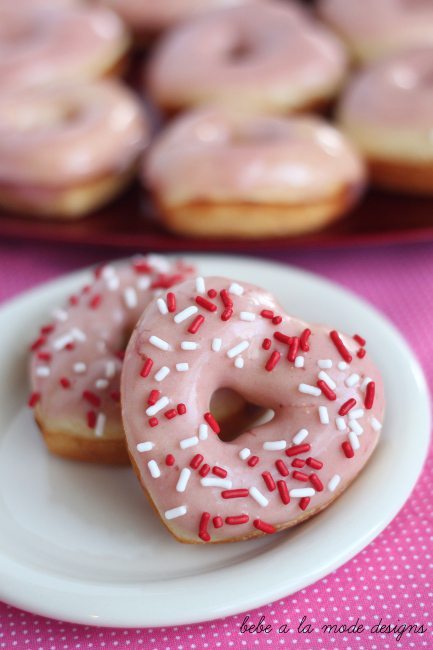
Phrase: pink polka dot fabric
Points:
(388, 584)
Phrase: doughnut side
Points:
(402, 176)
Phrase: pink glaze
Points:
(376, 27)
(249, 373)
(97, 322)
(263, 56)
(216, 155)
(48, 45)
(63, 134)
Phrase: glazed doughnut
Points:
(326, 394)
(216, 173)
(45, 46)
(374, 28)
(77, 357)
(258, 58)
(387, 111)
(65, 150)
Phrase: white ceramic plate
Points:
(80, 543)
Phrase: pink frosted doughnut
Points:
(44, 46)
(325, 391)
(373, 28)
(262, 57)
(77, 358)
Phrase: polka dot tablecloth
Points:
(389, 583)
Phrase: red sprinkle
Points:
(164, 281)
(90, 397)
(284, 492)
(298, 462)
(212, 422)
(181, 409)
(298, 449)
(228, 302)
(359, 339)
(196, 324)
(314, 463)
(47, 329)
(282, 467)
(154, 397)
(316, 482)
(91, 419)
(303, 503)
(269, 481)
(204, 471)
(328, 392)
(344, 352)
(153, 422)
(347, 449)
(170, 460)
(234, 494)
(361, 353)
(171, 302)
(273, 360)
(300, 476)
(69, 346)
(217, 522)
(120, 354)
(283, 338)
(347, 406)
(264, 527)
(238, 519)
(277, 320)
(253, 461)
(205, 303)
(304, 340)
(115, 395)
(38, 343)
(73, 300)
(267, 313)
(202, 531)
(147, 367)
(44, 356)
(212, 293)
(141, 266)
(227, 314)
(34, 399)
(219, 471)
(64, 382)
(170, 414)
(293, 349)
(266, 344)
(369, 395)
(196, 461)
(95, 301)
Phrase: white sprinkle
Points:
(352, 379)
(309, 390)
(154, 469)
(158, 262)
(183, 480)
(60, 314)
(63, 341)
(182, 367)
(325, 364)
(79, 368)
(101, 383)
(110, 369)
(145, 446)
(302, 492)
(334, 482)
(354, 442)
(375, 424)
(159, 343)
(100, 425)
(327, 379)
(247, 315)
(356, 414)
(200, 286)
(239, 362)
(299, 362)
(188, 442)
(236, 289)
(244, 453)
(300, 436)
(203, 431)
(143, 282)
(113, 283)
(340, 423)
(210, 481)
(259, 497)
(365, 383)
(160, 404)
(78, 334)
(43, 371)
(189, 345)
(356, 427)
(216, 344)
(175, 512)
(108, 271)
(342, 365)
(275, 445)
(323, 415)
(238, 349)
(186, 313)
(162, 306)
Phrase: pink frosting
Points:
(213, 154)
(58, 135)
(305, 380)
(396, 92)
(81, 349)
(266, 51)
(45, 46)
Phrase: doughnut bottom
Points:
(255, 220)
(402, 176)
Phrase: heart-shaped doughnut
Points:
(325, 392)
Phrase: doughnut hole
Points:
(235, 414)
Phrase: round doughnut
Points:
(68, 44)
(216, 173)
(374, 28)
(77, 357)
(65, 150)
(258, 58)
(387, 111)
(325, 392)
